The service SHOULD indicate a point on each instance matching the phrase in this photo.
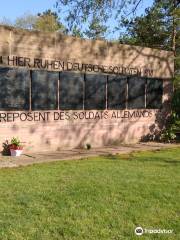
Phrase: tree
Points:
(6, 21)
(151, 29)
(157, 28)
(78, 14)
(27, 21)
(76, 32)
(96, 29)
(48, 21)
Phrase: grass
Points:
(97, 198)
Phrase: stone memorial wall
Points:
(60, 92)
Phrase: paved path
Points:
(47, 156)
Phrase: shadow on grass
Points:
(168, 156)
(172, 162)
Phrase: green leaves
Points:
(15, 141)
(48, 21)
(153, 29)
(94, 17)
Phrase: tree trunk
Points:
(174, 31)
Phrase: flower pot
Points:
(15, 153)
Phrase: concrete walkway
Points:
(47, 156)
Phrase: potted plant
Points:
(15, 147)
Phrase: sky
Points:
(15, 8)
(11, 9)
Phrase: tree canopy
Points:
(157, 28)
(26, 21)
(154, 28)
(93, 19)
(47, 21)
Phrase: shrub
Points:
(173, 130)
(6, 149)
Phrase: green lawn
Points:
(97, 198)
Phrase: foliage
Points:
(96, 29)
(158, 28)
(91, 18)
(6, 149)
(15, 141)
(172, 131)
(48, 21)
(168, 135)
(15, 144)
(27, 21)
(153, 29)
(99, 198)
(177, 55)
(176, 102)
(76, 32)
(6, 21)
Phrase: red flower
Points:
(15, 147)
